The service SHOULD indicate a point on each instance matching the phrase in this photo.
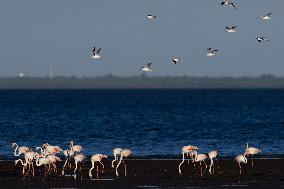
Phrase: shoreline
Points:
(149, 173)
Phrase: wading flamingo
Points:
(21, 149)
(211, 155)
(75, 148)
(116, 153)
(189, 151)
(123, 154)
(42, 161)
(251, 151)
(68, 156)
(97, 158)
(78, 159)
(200, 158)
(241, 159)
(52, 163)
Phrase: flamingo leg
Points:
(210, 168)
(179, 167)
(125, 173)
(97, 171)
(103, 166)
(201, 174)
(251, 160)
(76, 166)
(116, 170)
(240, 168)
(90, 171)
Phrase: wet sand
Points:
(266, 173)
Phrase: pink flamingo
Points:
(42, 161)
(21, 149)
(241, 159)
(211, 155)
(116, 153)
(75, 148)
(200, 158)
(97, 158)
(78, 158)
(123, 154)
(186, 150)
(251, 151)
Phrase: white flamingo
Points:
(78, 159)
(251, 151)
(186, 150)
(123, 154)
(42, 161)
(96, 158)
(52, 162)
(116, 153)
(241, 159)
(211, 155)
(200, 158)
(75, 148)
(21, 149)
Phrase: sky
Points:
(38, 34)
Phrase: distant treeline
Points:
(115, 82)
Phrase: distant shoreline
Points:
(142, 82)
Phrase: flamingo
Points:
(116, 153)
(78, 158)
(52, 162)
(211, 155)
(96, 158)
(75, 148)
(200, 158)
(123, 154)
(251, 151)
(68, 155)
(42, 161)
(186, 150)
(241, 159)
(21, 149)
(50, 149)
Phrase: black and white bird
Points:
(151, 17)
(261, 39)
(176, 60)
(211, 52)
(228, 2)
(231, 29)
(267, 16)
(147, 67)
(96, 53)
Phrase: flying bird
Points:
(151, 17)
(176, 60)
(267, 16)
(227, 2)
(147, 67)
(261, 39)
(231, 29)
(211, 52)
(96, 54)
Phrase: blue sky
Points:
(61, 33)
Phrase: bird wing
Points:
(99, 50)
(209, 49)
(94, 49)
(148, 65)
(268, 14)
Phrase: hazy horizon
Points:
(37, 34)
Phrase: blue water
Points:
(150, 122)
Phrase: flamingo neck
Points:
(15, 152)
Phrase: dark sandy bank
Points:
(266, 173)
